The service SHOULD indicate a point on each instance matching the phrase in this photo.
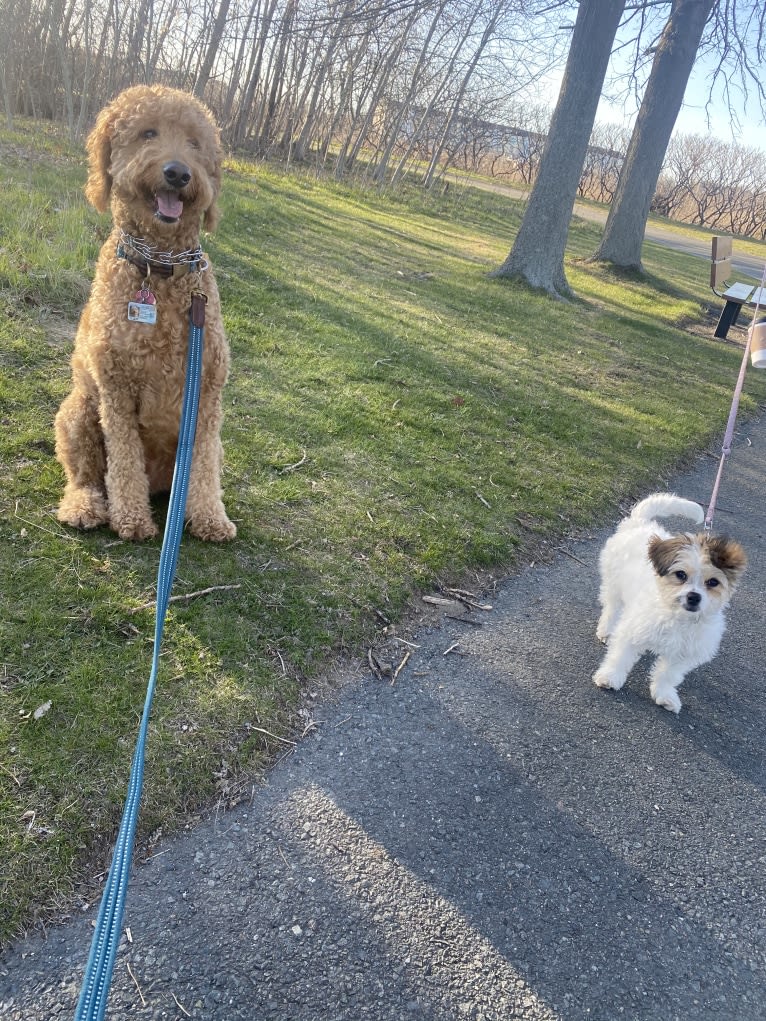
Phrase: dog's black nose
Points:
(177, 174)
(693, 599)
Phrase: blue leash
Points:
(98, 973)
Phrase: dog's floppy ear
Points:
(727, 555)
(212, 216)
(663, 553)
(99, 147)
(213, 213)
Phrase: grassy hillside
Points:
(395, 420)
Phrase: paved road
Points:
(491, 837)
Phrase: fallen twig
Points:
(401, 665)
(32, 524)
(467, 598)
(373, 665)
(135, 980)
(182, 1009)
(268, 733)
(404, 641)
(464, 620)
(440, 601)
(380, 670)
(184, 597)
(452, 649)
(11, 775)
(572, 556)
(292, 467)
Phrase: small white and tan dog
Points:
(665, 594)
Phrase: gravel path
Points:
(490, 837)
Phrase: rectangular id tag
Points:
(139, 312)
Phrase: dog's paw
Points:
(668, 699)
(83, 508)
(604, 680)
(134, 528)
(218, 529)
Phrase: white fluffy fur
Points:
(665, 595)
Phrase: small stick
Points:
(276, 737)
(404, 641)
(466, 597)
(373, 664)
(11, 775)
(186, 596)
(32, 524)
(292, 467)
(486, 504)
(439, 601)
(401, 665)
(572, 556)
(451, 648)
(183, 1011)
(464, 620)
(138, 987)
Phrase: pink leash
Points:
(729, 435)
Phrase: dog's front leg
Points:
(664, 679)
(127, 485)
(205, 511)
(619, 660)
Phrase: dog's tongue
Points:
(169, 204)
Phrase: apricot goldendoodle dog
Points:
(155, 157)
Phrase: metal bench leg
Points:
(728, 318)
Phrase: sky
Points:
(693, 117)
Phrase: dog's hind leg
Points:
(607, 623)
(80, 449)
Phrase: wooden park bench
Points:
(736, 294)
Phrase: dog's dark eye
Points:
(149, 134)
(193, 143)
(712, 583)
(681, 575)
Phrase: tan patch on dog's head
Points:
(665, 553)
(725, 554)
(697, 572)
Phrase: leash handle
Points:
(100, 967)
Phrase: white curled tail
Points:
(667, 505)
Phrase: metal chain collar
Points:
(150, 254)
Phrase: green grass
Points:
(395, 420)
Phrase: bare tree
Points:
(537, 256)
(673, 61)
(213, 48)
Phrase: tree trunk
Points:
(428, 178)
(203, 77)
(673, 61)
(537, 255)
